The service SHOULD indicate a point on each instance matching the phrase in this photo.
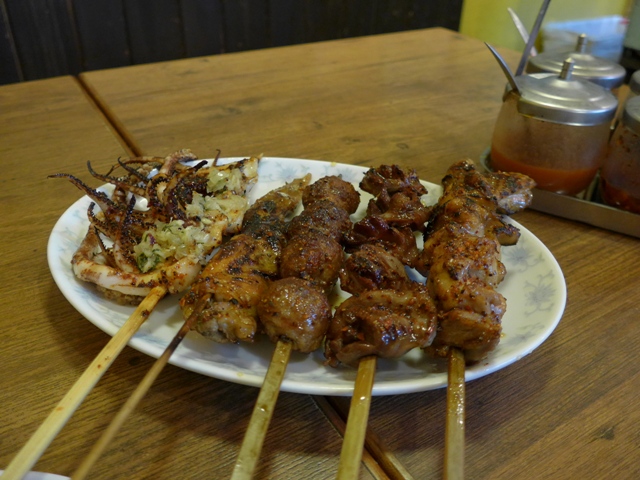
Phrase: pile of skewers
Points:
(263, 270)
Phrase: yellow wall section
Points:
(489, 20)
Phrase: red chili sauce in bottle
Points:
(620, 179)
(555, 130)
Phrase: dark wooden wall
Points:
(46, 38)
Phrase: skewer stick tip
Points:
(454, 429)
(355, 432)
(44, 435)
(262, 413)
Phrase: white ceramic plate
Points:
(534, 288)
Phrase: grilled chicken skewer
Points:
(311, 260)
(461, 260)
(388, 314)
(237, 276)
(381, 244)
(461, 256)
(295, 310)
(256, 249)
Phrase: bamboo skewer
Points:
(262, 413)
(355, 432)
(42, 438)
(356, 429)
(375, 454)
(454, 428)
(135, 398)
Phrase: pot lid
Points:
(598, 70)
(565, 99)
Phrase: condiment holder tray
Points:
(590, 209)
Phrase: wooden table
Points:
(52, 126)
(420, 99)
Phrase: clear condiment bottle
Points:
(620, 176)
(555, 129)
(598, 70)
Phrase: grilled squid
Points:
(161, 221)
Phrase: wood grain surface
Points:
(421, 99)
(188, 426)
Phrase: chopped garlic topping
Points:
(170, 240)
(235, 180)
(175, 240)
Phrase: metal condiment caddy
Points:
(557, 128)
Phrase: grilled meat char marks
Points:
(388, 314)
(322, 217)
(461, 256)
(296, 308)
(371, 267)
(237, 275)
(397, 197)
(315, 258)
(313, 251)
(334, 189)
(297, 311)
(386, 323)
(395, 212)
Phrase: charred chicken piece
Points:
(371, 267)
(397, 196)
(401, 209)
(462, 255)
(464, 273)
(316, 258)
(322, 217)
(391, 179)
(395, 212)
(388, 314)
(313, 251)
(400, 242)
(387, 323)
(502, 193)
(236, 276)
(294, 309)
(473, 218)
(334, 189)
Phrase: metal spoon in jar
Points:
(522, 30)
(505, 68)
